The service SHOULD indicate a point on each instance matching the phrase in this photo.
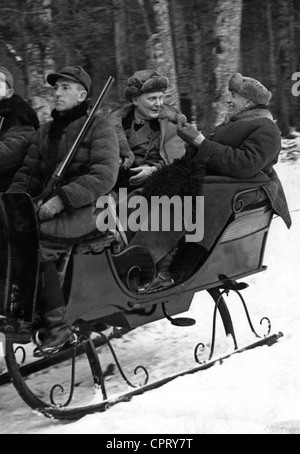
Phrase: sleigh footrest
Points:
(98, 244)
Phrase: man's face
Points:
(237, 103)
(5, 90)
(68, 94)
(148, 105)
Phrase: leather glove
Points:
(190, 135)
(50, 209)
(142, 173)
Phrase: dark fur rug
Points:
(184, 177)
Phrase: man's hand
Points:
(190, 135)
(50, 209)
(142, 173)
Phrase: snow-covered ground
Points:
(256, 392)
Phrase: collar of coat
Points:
(61, 121)
(16, 111)
(259, 111)
(124, 116)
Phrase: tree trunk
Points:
(284, 59)
(271, 48)
(159, 48)
(121, 45)
(182, 59)
(40, 62)
(226, 50)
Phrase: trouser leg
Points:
(52, 306)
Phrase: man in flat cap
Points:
(148, 139)
(18, 124)
(92, 173)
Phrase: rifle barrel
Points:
(61, 169)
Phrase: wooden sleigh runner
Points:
(108, 288)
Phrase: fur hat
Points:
(249, 88)
(145, 81)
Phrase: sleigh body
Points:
(99, 282)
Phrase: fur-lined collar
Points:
(260, 111)
(117, 116)
(17, 112)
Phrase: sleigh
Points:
(107, 285)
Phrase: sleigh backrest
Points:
(240, 246)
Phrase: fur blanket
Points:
(184, 177)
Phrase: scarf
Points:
(57, 129)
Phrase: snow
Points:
(256, 392)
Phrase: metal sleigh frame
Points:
(238, 252)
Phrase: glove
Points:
(189, 134)
(142, 173)
(50, 209)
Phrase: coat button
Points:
(206, 158)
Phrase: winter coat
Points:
(20, 123)
(244, 147)
(170, 145)
(91, 174)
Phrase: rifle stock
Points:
(61, 169)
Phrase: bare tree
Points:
(226, 50)
(39, 60)
(284, 62)
(121, 46)
(159, 46)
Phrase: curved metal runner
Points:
(65, 413)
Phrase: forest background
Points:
(198, 44)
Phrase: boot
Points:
(55, 333)
(164, 278)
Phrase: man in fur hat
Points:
(18, 123)
(248, 142)
(92, 174)
(148, 139)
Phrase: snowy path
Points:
(257, 392)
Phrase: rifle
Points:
(61, 169)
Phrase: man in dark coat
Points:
(247, 144)
(148, 139)
(92, 174)
(18, 123)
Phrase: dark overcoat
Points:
(18, 128)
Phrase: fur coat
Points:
(19, 125)
(171, 146)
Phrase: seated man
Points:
(18, 123)
(148, 140)
(92, 174)
(246, 145)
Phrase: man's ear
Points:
(134, 101)
(83, 95)
(10, 92)
(249, 103)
